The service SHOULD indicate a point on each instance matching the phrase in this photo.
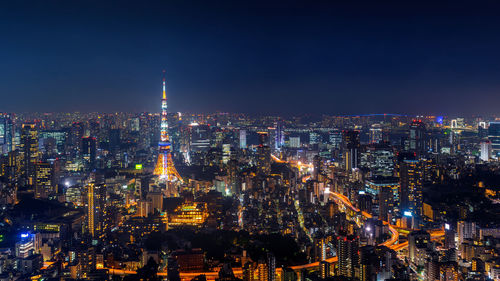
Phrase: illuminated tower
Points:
(165, 166)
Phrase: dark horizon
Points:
(269, 58)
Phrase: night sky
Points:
(251, 56)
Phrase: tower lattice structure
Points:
(165, 165)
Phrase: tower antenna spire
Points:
(165, 165)
(164, 84)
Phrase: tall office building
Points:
(263, 155)
(317, 167)
(417, 137)
(135, 124)
(376, 133)
(96, 199)
(200, 137)
(294, 142)
(13, 169)
(386, 202)
(494, 137)
(6, 133)
(485, 153)
(226, 153)
(59, 137)
(279, 135)
(411, 178)
(44, 184)
(29, 149)
(89, 151)
(243, 139)
(314, 138)
(76, 134)
(114, 139)
(379, 159)
(335, 138)
(351, 148)
(347, 252)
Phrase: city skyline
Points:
(254, 58)
(249, 141)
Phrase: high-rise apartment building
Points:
(417, 245)
(347, 251)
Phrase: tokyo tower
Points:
(165, 166)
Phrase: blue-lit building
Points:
(59, 137)
(6, 133)
(494, 137)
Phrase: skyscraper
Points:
(335, 138)
(351, 146)
(386, 202)
(417, 137)
(29, 149)
(165, 165)
(485, 150)
(6, 133)
(263, 155)
(243, 139)
(114, 139)
(280, 136)
(96, 198)
(89, 148)
(200, 137)
(314, 138)
(76, 135)
(347, 251)
(494, 137)
(60, 138)
(376, 135)
(294, 142)
(411, 185)
(379, 158)
(44, 180)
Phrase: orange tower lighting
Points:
(165, 165)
